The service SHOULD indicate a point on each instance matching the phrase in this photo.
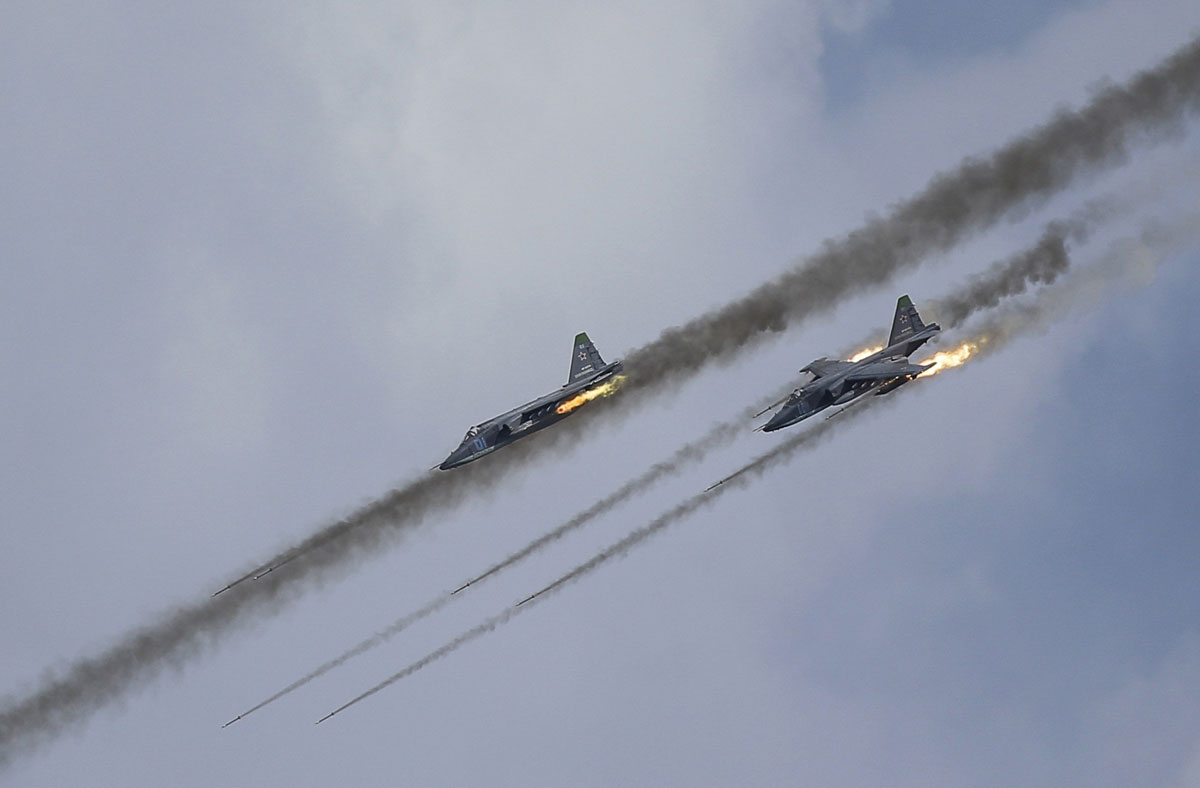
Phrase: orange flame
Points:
(860, 355)
(948, 359)
(606, 389)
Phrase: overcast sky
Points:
(261, 263)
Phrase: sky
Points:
(262, 263)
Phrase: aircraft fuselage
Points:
(839, 388)
(498, 432)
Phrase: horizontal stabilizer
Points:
(824, 367)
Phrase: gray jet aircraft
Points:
(840, 382)
(588, 371)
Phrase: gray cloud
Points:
(953, 205)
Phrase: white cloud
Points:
(210, 360)
(519, 173)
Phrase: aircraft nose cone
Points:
(456, 458)
(786, 415)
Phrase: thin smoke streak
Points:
(1130, 261)
(781, 453)
(691, 453)
(454, 645)
(1157, 242)
(954, 205)
(1041, 263)
(975, 195)
(362, 647)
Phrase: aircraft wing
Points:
(885, 370)
(536, 409)
(824, 367)
(544, 404)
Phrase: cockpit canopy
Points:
(471, 433)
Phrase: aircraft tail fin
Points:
(585, 359)
(906, 322)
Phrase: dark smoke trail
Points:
(953, 205)
(690, 453)
(1156, 242)
(776, 456)
(978, 193)
(1137, 256)
(975, 195)
(184, 633)
(1040, 264)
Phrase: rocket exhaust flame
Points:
(606, 389)
(948, 359)
(860, 355)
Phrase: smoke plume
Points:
(973, 196)
(955, 204)
(688, 454)
(1042, 263)
(1126, 259)
(1128, 262)
(779, 454)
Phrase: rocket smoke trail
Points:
(1039, 264)
(978, 193)
(1128, 261)
(690, 453)
(1139, 256)
(434, 656)
(781, 453)
(955, 204)
(951, 207)
(366, 645)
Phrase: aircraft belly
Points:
(849, 395)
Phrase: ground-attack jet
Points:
(588, 374)
(839, 382)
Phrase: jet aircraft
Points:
(839, 382)
(588, 371)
